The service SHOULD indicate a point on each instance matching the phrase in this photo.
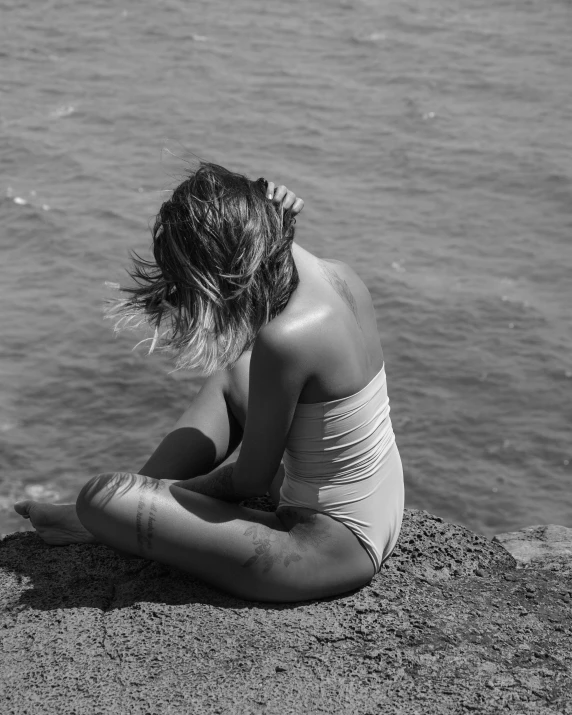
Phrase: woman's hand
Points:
(282, 195)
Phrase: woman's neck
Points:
(302, 257)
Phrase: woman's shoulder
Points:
(285, 347)
(336, 271)
(314, 338)
(291, 340)
(289, 331)
(311, 315)
(348, 285)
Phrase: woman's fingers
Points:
(280, 194)
(297, 206)
(283, 195)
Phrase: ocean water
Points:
(431, 142)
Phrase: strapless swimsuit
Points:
(341, 459)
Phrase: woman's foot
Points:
(56, 524)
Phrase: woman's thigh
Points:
(246, 552)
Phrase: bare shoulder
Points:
(350, 287)
(338, 270)
(280, 340)
(288, 342)
(346, 283)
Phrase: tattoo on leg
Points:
(268, 548)
(138, 521)
(272, 547)
(145, 533)
(151, 521)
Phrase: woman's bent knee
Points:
(102, 489)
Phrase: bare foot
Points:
(56, 524)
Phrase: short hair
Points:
(223, 268)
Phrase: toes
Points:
(23, 508)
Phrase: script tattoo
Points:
(272, 546)
(145, 531)
(341, 288)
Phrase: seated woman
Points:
(295, 373)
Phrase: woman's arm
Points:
(276, 380)
(217, 484)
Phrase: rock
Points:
(86, 631)
(540, 546)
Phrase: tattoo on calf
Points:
(273, 547)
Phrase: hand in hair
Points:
(288, 199)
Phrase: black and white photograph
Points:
(286, 357)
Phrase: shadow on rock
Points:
(93, 576)
(49, 578)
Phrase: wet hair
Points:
(222, 269)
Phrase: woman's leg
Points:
(207, 433)
(252, 554)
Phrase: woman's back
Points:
(340, 349)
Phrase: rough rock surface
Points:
(450, 625)
(547, 546)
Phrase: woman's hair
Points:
(223, 268)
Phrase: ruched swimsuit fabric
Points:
(341, 459)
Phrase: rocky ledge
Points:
(453, 623)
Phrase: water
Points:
(431, 143)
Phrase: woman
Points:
(295, 372)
